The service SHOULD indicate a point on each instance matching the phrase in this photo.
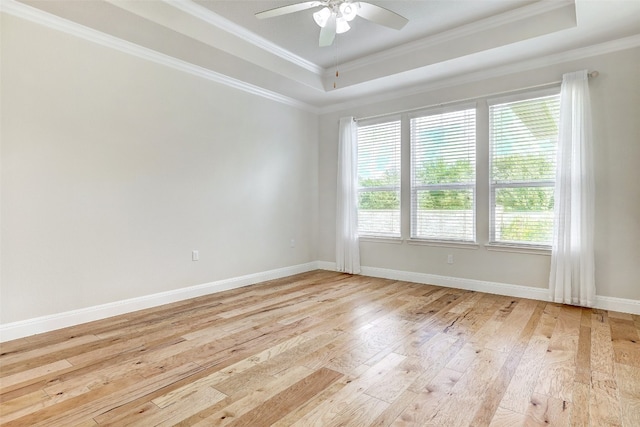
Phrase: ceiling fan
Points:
(335, 15)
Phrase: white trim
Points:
(224, 24)
(24, 328)
(522, 249)
(485, 74)
(470, 29)
(623, 305)
(38, 16)
(442, 243)
(49, 20)
(38, 325)
(524, 95)
(542, 294)
(459, 283)
(378, 239)
(326, 265)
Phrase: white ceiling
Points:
(298, 33)
(444, 39)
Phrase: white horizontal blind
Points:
(443, 172)
(523, 141)
(379, 179)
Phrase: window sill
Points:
(533, 250)
(373, 239)
(443, 243)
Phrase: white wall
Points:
(616, 113)
(115, 168)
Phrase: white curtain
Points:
(572, 261)
(347, 244)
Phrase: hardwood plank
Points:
(33, 373)
(279, 405)
(361, 412)
(319, 399)
(394, 410)
(583, 358)
(43, 355)
(137, 415)
(325, 348)
(626, 342)
(602, 357)
(506, 418)
(507, 335)
(367, 344)
(235, 410)
(464, 394)
(238, 377)
(544, 411)
(604, 404)
(434, 365)
(396, 381)
(424, 406)
(619, 315)
(556, 377)
(496, 390)
(628, 381)
(23, 405)
(356, 383)
(630, 412)
(580, 416)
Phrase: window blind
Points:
(379, 179)
(443, 171)
(523, 140)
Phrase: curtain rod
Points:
(592, 74)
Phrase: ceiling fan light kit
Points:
(346, 12)
(335, 15)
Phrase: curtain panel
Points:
(572, 278)
(347, 243)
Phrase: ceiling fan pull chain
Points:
(336, 62)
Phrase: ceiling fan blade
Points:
(284, 10)
(328, 32)
(381, 16)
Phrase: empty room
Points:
(320, 213)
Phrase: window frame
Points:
(494, 244)
(382, 236)
(413, 190)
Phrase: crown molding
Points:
(36, 15)
(54, 22)
(500, 71)
(492, 22)
(224, 24)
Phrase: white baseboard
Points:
(25, 328)
(460, 283)
(449, 282)
(623, 305)
(602, 302)
(326, 265)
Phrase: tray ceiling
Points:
(442, 40)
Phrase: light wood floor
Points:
(327, 349)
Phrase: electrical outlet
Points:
(292, 243)
(195, 255)
(449, 259)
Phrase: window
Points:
(443, 171)
(379, 179)
(523, 140)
